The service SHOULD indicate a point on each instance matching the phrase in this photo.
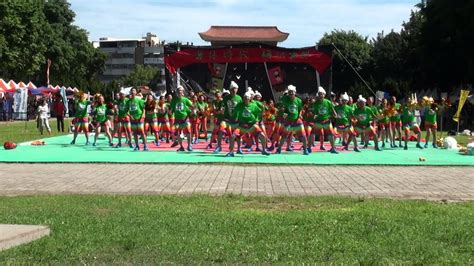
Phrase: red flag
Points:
(47, 71)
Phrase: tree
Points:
(141, 76)
(388, 64)
(446, 37)
(357, 50)
(396, 58)
(75, 60)
(21, 39)
(32, 32)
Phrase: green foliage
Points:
(236, 229)
(447, 37)
(22, 44)
(388, 66)
(32, 33)
(433, 50)
(357, 50)
(141, 76)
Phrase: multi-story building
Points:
(125, 54)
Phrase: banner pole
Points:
(318, 79)
(269, 81)
(441, 124)
(178, 76)
(246, 80)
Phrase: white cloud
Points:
(306, 21)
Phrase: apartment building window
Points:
(120, 56)
(121, 66)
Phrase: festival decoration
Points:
(97, 97)
(450, 143)
(470, 149)
(38, 143)
(462, 101)
(413, 101)
(427, 101)
(8, 145)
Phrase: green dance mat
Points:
(58, 150)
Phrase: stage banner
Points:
(217, 70)
(317, 59)
(276, 75)
(217, 84)
(462, 101)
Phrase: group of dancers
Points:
(249, 123)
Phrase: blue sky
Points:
(172, 20)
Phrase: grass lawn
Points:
(21, 131)
(230, 229)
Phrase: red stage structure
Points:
(249, 56)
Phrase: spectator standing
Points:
(2, 100)
(7, 108)
(43, 112)
(58, 107)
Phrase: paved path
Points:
(433, 183)
(15, 234)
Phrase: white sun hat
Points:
(291, 88)
(361, 99)
(321, 90)
(234, 85)
(345, 97)
(249, 89)
(248, 94)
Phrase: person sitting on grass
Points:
(82, 117)
(181, 107)
(246, 114)
(102, 121)
(136, 107)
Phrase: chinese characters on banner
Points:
(317, 59)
